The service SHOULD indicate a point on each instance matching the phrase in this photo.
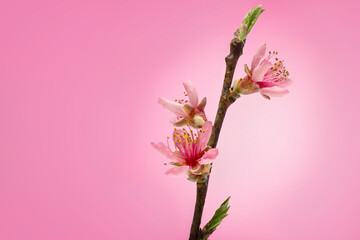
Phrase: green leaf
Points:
(248, 22)
(252, 16)
(215, 221)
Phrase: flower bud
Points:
(198, 121)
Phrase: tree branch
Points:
(236, 50)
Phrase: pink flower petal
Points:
(259, 72)
(274, 91)
(259, 54)
(285, 83)
(178, 121)
(206, 161)
(176, 171)
(191, 92)
(204, 135)
(164, 149)
(209, 156)
(211, 153)
(175, 107)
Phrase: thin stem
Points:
(236, 49)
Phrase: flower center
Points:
(278, 72)
(187, 145)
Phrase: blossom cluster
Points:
(190, 153)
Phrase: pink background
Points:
(79, 81)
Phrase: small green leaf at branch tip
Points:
(215, 221)
(248, 22)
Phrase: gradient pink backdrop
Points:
(79, 81)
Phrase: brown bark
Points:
(226, 99)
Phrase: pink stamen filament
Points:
(187, 147)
